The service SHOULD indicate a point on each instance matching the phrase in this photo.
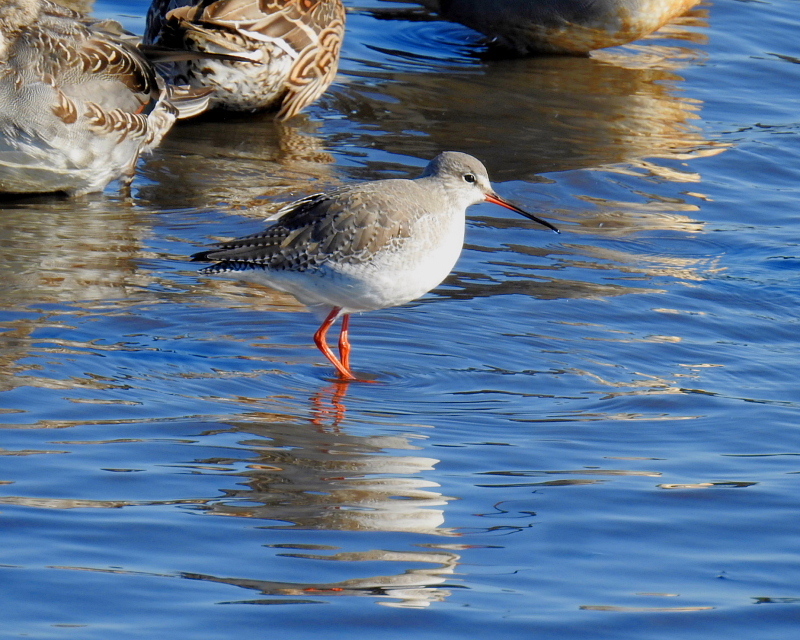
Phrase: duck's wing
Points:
(78, 104)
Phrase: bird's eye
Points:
(470, 177)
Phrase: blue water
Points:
(586, 435)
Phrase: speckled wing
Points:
(350, 226)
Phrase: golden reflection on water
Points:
(525, 116)
(533, 115)
(70, 250)
(647, 266)
(243, 164)
(63, 252)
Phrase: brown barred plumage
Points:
(78, 101)
(294, 45)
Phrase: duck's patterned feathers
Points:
(293, 44)
(67, 49)
(78, 101)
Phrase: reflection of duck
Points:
(78, 103)
(58, 252)
(567, 112)
(294, 45)
(242, 162)
(561, 26)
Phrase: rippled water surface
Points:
(591, 435)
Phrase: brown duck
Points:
(293, 44)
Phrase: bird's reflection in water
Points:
(412, 588)
(65, 250)
(314, 475)
(530, 116)
(59, 252)
(328, 405)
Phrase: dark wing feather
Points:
(266, 249)
(349, 226)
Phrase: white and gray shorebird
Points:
(365, 246)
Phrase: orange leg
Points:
(344, 341)
(322, 345)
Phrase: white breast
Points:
(389, 279)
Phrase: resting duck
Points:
(294, 46)
(573, 27)
(78, 101)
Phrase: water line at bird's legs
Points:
(344, 341)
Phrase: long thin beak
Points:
(495, 199)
